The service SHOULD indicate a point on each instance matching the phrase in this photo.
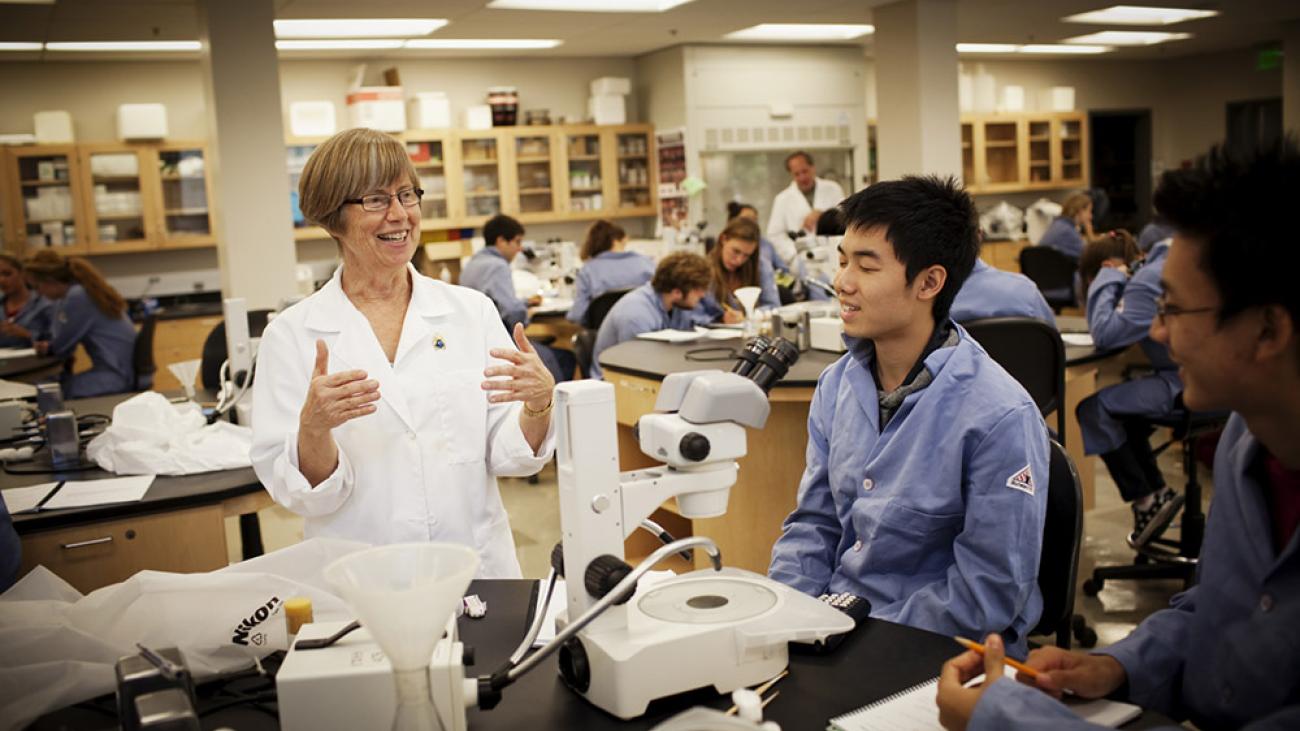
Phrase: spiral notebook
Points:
(914, 710)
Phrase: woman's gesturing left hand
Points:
(527, 380)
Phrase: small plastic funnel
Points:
(185, 372)
(748, 297)
(404, 594)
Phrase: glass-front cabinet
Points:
(115, 203)
(186, 219)
(635, 174)
(428, 152)
(1073, 150)
(534, 177)
(45, 206)
(480, 159)
(583, 161)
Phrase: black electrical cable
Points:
(251, 700)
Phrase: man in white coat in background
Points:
(797, 207)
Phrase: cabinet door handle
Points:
(91, 542)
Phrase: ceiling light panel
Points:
(470, 44)
(152, 46)
(1063, 48)
(1139, 15)
(589, 6)
(987, 48)
(19, 46)
(1128, 38)
(358, 27)
(340, 44)
(801, 32)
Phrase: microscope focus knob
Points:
(603, 574)
(694, 446)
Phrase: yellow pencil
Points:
(977, 647)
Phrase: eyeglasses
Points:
(1164, 309)
(379, 201)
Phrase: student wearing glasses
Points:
(1224, 654)
(387, 402)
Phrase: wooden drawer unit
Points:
(95, 555)
(178, 340)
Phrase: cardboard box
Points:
(53, 127)
(611, 85)
(312, 119)
(430, 110)
(377, 107)
(607, 109)
(478, 116)
(141, 122)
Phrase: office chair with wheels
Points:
(1053, 272)
(1162, 558)
(1033, 353)
(142, 362)
(600, 307)
(1058, 566)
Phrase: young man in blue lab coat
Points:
(666, 302)
(1224, 654)
(990, 292)
(925, 487)
(488, 271)
(1112, 421)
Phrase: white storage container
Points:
(478, 116)
(430, 110)
(607, 109)
(53, 127)
(312, 119)
(123, 164)
(141, 121)
(378, 107)
(611, 85)
(1058, 99)
(1013, 98)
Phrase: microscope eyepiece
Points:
(774, 363)
(747, 360)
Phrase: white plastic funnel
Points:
(748, 297)
(404, 594)
(186, 371)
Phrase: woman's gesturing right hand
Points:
(335, 398)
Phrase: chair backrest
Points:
(1050, 269)
(584, 347)
(1058, 565)
(1033, 353)
(214, 348)
(142, 362)
(600, 307)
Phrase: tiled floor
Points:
(535, 519)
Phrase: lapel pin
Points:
(439, 342)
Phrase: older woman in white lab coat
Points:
(387, 403)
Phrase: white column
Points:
(916, 88)
(255, 244)
(1291, 78)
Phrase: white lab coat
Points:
(423, 466)
(790, 208)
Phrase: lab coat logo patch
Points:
(1022, 481)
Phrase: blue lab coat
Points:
(1226, 653)
(1152, 233)
(990, 292)
(1120, 311)
(710, 311)
(35, 317)
(765, 248)
(109, 341)
(489, 272)
(1063, 235)
(11, 550)
(639, 311)
(605, 272)
(938, 519)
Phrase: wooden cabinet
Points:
(92, 556)
(430, 153)
(106, 198)
(1024, 152)
(476, 187)
(178, 340)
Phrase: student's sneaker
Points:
(1150, 522)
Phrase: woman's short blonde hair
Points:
(350, 164)
(1074, 204)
